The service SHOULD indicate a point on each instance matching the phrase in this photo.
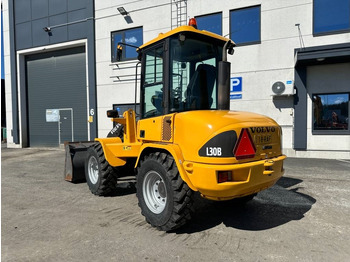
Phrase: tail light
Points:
(224, 176)
(245, 147)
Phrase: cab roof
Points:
(184, 28)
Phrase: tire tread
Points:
(182, 194)
(107, 174)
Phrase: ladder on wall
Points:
(178, 13)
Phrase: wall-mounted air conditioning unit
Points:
(282, 88)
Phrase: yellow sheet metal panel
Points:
(157, 129)
(130, 126)
(194, 128)
(172, 149)
(150, 129)
(248, 178)
(111, 155)
(123, 150)
(116, 152)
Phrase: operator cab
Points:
(180, 72)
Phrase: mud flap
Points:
(76, 153)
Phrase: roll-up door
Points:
(57, 97)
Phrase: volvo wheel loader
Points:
(186, 138)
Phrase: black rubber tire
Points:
(245, 199)
(179, 197)
(240, 200)
(105, 181)
(117, 131)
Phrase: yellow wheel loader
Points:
(186, 138)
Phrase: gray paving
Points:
(304, 217)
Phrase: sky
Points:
(333, 99)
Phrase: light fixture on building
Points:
(320, 59)
(125, 14)
(47, 29)
(122, 11)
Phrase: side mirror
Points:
(228, 47)
(112, 113)
(231, 50)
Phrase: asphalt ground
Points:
(304, 217)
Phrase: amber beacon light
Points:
(192, 22)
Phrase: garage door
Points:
(57, 97)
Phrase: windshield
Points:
(193, 74)
(192, 80)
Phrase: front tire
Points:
(100, 176)
(164, 198)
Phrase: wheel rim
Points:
(154, 192)
(93, 169)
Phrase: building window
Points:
(331, 111)
(245, 25)
(211, 23)
(132, 37)
(331, 16)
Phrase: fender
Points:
(176, 153)
(109, 155)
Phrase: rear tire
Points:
(245, 199)
(240, 200)
(164, 198)
(100, 176)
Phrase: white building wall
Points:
(7, 64)
(108, 20)
(259, 65)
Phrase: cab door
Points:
(152, 82)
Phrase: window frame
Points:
(192, 69)
(230, 26)
(330, 131)
(211, 14)
(334, 32)
(123, 58)
(164, 81)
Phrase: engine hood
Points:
(196, 132)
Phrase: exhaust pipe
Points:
(224, 76)
(224, 85)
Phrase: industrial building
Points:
(291, 63)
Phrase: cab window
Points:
(153, 83)
(193, 75)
